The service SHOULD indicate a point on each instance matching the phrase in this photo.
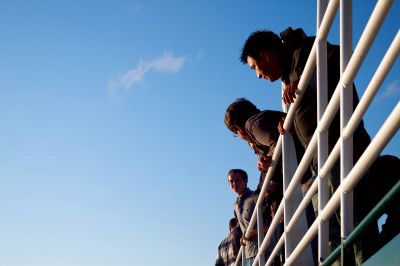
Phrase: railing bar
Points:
(380, 74)
(386, 132)
(333, 105)
(277, 248)
(271, 231)
(306, 200)
(260, 230)
(331, 109)
(377, 80)
(310, 65)
(374, 214)
(322, 102)
(346, 110)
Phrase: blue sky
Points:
(113, 146)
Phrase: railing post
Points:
(260, 232)
(322, 102)
(243, 256)
(291, 203)
(346, 110)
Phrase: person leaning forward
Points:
(283, 58)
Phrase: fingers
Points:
(263, 163)
(243, 241)
(280, 126)
(289, 93)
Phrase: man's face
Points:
(231, 229)
(267, 66)
(237, 184)
(241, 133)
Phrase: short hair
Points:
(241, 172)
(261, 40)
(238, 113)
(232, 223)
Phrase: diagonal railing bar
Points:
(376, 19)
(377, 80)
(373, 215)
(386, 132)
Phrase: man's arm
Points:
(252, 235)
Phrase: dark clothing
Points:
(229, 248)
(305, 119)
(244, 207)
(305, 123)
(262, 129)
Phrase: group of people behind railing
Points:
(283, 58)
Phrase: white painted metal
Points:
(306, 200)
(376, 81)
(346, 110)
(322, 102)
(277, 248)
(380, 74)
(271, 231)
(310, 65)
(387, 131)
(383, 136)
(293, 237)
(260, 230)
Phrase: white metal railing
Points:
(350, 65)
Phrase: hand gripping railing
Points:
(373, 150)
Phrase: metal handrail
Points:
(374, 214)
(348, 76)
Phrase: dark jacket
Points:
(305, 119)
(262, 128)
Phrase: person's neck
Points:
(242, 192)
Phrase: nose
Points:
(259, 75)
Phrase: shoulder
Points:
(263, 116)
(264, 120)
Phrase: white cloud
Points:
(167, 63)
(391, 90)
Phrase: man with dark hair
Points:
(273, 57)
(260, 130)
(229, 247)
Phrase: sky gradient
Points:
(113, 145)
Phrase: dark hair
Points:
(232, 223)
(238, 113)
(261, 40)
(241, 172)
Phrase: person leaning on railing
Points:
(230, 245)
(284, 58)
(244, 206)
(260, 130)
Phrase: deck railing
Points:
(292, 209)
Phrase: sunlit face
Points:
(267, 66)
(237, 183)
